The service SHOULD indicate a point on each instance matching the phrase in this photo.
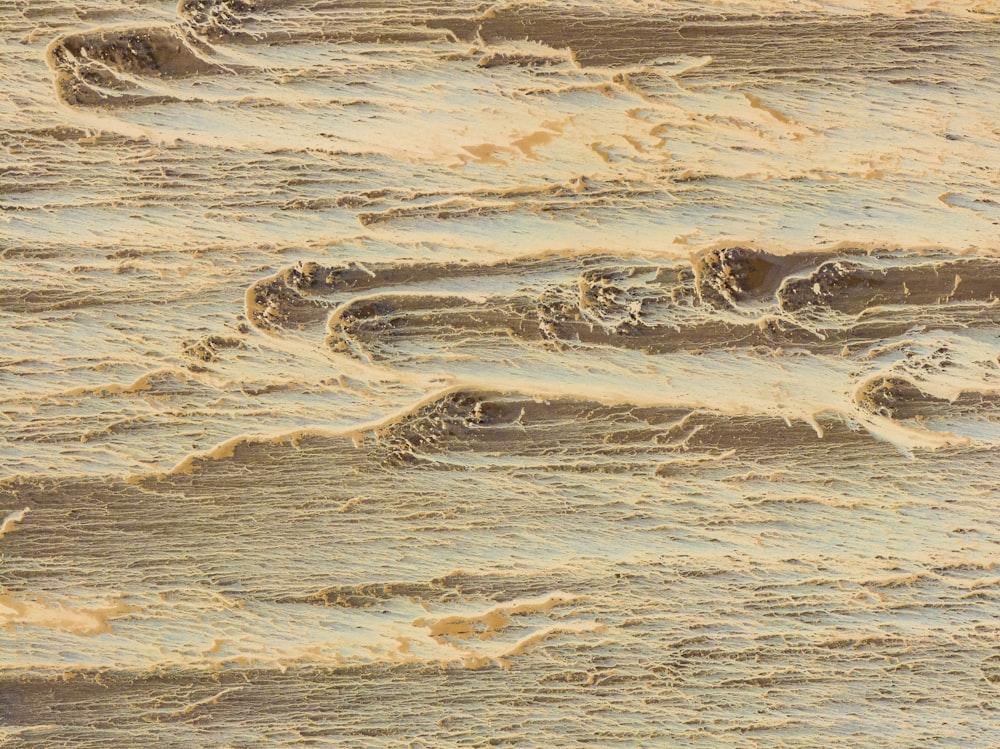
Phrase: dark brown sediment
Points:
(790, 46)
(897, 397)
(374, 326)
(851, 287)
(729, 278)
(95, 68)
(290, 21)
(657, 308)
(275, 300)
(786, 45)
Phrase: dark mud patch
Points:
(105, 67)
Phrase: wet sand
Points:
(519, 374)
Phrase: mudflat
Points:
(522, 374)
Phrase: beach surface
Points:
(537, 374)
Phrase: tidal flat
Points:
(543, 373)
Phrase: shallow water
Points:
(536, 374)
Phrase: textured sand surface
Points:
(537, 373)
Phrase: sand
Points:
(619, 374)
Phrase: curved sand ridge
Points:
(788, 318)
(535, 599)
(670, 110)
